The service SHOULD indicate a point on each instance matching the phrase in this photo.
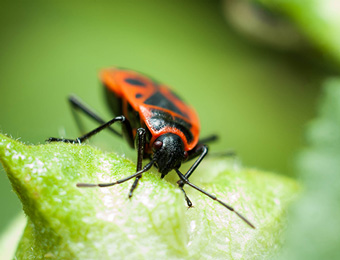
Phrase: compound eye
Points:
(157, 145)
(185, 155)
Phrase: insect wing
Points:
(159, 107)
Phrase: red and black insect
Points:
(156, 122)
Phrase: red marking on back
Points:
(116, 81)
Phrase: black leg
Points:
(180, 185)
(186, 181)
(140, 145)
(200, 151)
(229, 153)
(208, 139)
(122, 119)
(214, 138)
(77, 104)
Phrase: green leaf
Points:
(10, 238)
(290, 24)
(315, 219)
(66, 222)
(318, 20)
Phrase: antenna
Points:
(186, 181)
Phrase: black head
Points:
(168, 153)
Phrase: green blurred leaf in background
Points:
(310, 26)
(315, 219)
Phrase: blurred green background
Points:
(256, 98)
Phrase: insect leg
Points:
(122, 119)
(200, 151)
(227, 153)
(140, 144)
(189, 203)
(77, 104)
(186, 181)
(208, 139)
(213, 138)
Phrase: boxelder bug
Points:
(165, 128)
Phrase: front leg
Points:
(201, 151)
(79, 140)
(140, 145)
(64, 140)
(77, 104)
(180, 185)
